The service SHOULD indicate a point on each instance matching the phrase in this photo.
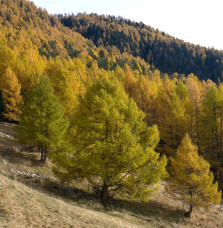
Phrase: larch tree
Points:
(177, 123)
(64, 83)
(129, 81)
(114, 148)
(29, 65)
(165, 96)
(10, 91)
(144, 96)
(220, 113)
(7, 57)
(42, 121)
(220, 133)
(1, 106)
(193, 109)
(209, 138)
(190, 178)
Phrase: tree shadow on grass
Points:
(150, 212)
(18, 154)
(14, 152)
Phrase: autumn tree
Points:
(129, 81)
(220, 114)
(177, 126)
(10, 90)
(7, 57)
(1, 106)
(209, 138)
(114, 148)
(144, 96)
(64, 83)
(165, 96)
(193, 109)
(29, 66)
(191, 180)
(42, 121)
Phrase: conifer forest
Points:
(113, 105)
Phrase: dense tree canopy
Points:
(163, 51)
(42, 122)
(10, 92)
(114, 147)
(126, 107)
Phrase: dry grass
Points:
(45, 203)
(22, 206)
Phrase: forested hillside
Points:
(23, 26)
(165, 52)
(103, 116)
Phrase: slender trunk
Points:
(188, 213)
(104, 193)
(43, 152)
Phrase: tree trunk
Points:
(104, 193)
(188, 213)
(43, 152)
(42, 155)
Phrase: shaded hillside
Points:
(167, 53)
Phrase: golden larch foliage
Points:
(191, 180)
(10, 88)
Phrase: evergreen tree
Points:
(42, 122)
(191, 180)
(10, 89)
(114, 146)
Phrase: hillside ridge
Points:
(165, 52)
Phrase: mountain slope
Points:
(22, 23)
(41, 201)
(36, 36)
(165, 52)
(23, 207)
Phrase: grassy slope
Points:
(43, 203)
